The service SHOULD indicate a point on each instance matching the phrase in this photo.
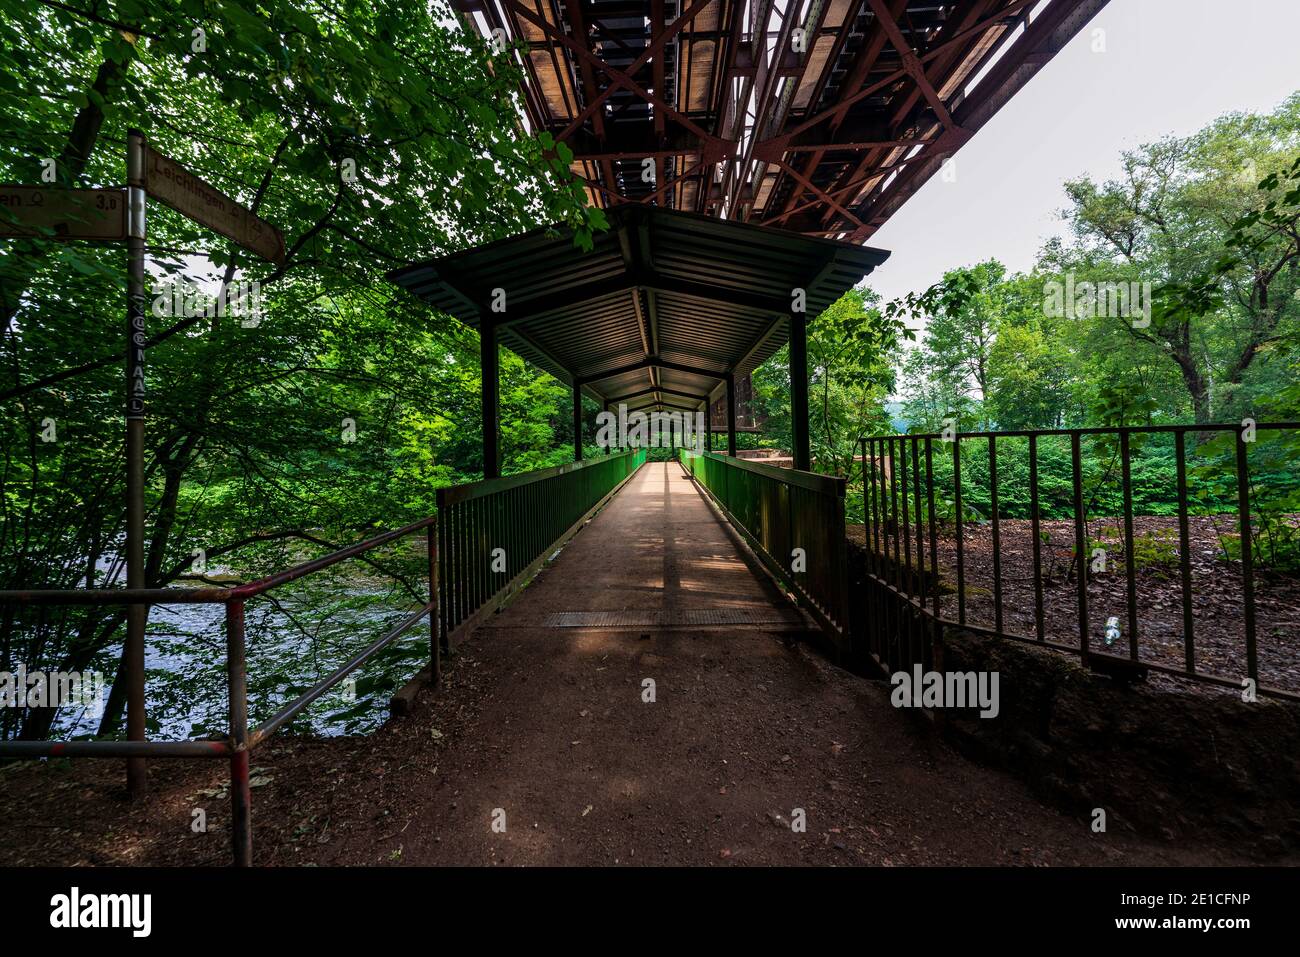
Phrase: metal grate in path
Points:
(668, 619)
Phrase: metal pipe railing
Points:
(528, 513)
(192, 596)
(304, 700)
(241, 741)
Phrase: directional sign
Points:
(95, 214)
(173, 184)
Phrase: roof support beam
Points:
(656, 391)
(799, 390)
(489, 393)
(770, 331)
(658, 406)
(545, 353)
(731, 415)
(577, 423)
(654, 282)
(560, 302)
(651, 363)
(690, 289)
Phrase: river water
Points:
(295, 636)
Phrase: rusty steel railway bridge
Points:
(819, 117)
(816, 116)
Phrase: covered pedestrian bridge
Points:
(692, 287)
(663, 313)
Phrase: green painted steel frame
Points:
(526, 517)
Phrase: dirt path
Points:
(547, 730)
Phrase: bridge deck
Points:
(683, 572)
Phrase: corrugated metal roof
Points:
(665, 300)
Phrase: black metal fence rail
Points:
(794, 520)
(495, 533)
(905, 579)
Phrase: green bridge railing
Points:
(794, 521)
(492, 535)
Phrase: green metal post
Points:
(799, 390)
(491, 399)
(577, 421)
(731, 414)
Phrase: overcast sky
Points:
(1169, 67)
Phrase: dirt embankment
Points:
(1171, 760)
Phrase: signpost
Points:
(169, 181)
(116, 215)
(35, 211)
(137, 615)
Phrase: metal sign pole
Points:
(138, 615)
(97, 215)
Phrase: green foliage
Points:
(851, 350)
(1152, 466)
(1273, 462)
(1156, 551)
(277, 104)
(1203, 228)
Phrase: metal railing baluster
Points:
(997, 533)
(1130, 559)
(1184, 552)
(957, 524)
(1080, 543)
(1037, 533)
(1247, 557)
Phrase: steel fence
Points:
(908, 512)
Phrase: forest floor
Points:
(541, 748)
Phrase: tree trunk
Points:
(1196, 385)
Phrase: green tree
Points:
(851, 349)
(1167, 222)
(374, 134)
